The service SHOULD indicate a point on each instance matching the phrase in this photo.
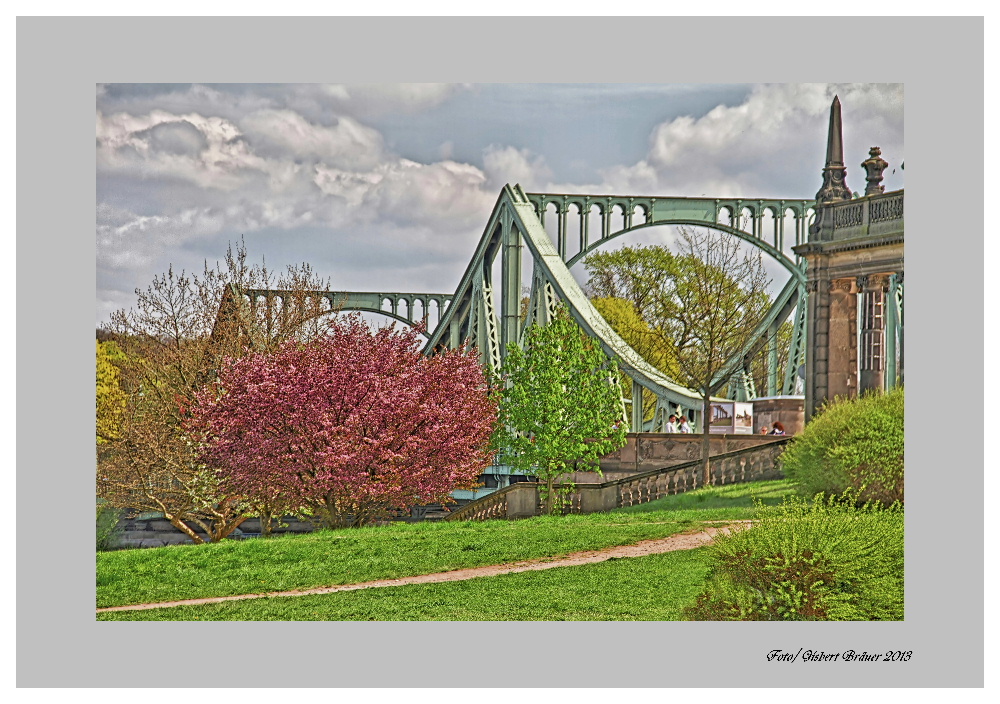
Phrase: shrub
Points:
(851, 444)
(828, 560)
(107, 525)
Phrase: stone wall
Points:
(157, 532)
(788, 410)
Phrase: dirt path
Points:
(646, 547)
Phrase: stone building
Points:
(854, 281)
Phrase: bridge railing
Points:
(523, 500)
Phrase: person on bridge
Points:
(671, 424)
(778, 429)
(684, 427)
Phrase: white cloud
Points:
(379, 98)
(316, 102)
(132, 145)
(505, 164)
(283, 134)
(759, 144)
(448, 195)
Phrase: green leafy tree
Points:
(629, 288)
(722, 294)
(110, 397)
(701, 305)
(623, 317)
(561, 409)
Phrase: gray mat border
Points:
(60, 59)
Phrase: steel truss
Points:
(490, 314)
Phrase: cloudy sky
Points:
(389, 186)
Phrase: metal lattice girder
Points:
(797, 348)
(517, 224)
(541, 305)
(661, 415)
(483, 325)
(742, 387)
(549, 263)
(788, 299)
(637, 409)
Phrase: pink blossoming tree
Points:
(348, 426)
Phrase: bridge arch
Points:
(387, 314)
(616, 215)
(384, 304)
(794, 268)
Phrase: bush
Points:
(851, 445)
(825, 561)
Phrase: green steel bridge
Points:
(486, 307)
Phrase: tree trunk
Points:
(266, 522)
(706, 444)
(548, 495)
(183, 527)
(222, 528)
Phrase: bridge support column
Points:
(636, 407)
(893, 331)
(890, 334)
(842, 339)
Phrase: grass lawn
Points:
(329, 558)
(733, 501)
(652, 588)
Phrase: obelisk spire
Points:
(834, 173)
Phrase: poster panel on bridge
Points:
(731, 417)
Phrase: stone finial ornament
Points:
(834, 187)
(874, 165)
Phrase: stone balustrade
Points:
(877, 215)
(755, 463)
